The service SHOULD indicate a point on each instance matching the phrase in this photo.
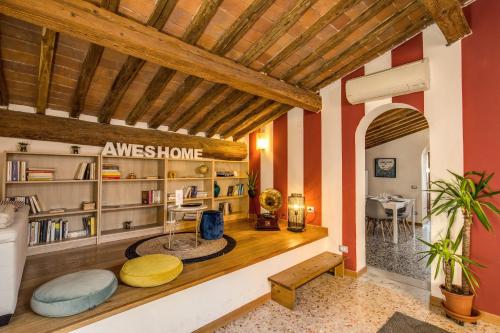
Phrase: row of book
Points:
(111, 171)
(151, 197)
(86, 171)
(17, 171)
(225, 207)
(193, 192)
(235, 190)
(55, 230)
(30, 200)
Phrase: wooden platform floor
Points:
(252, 247)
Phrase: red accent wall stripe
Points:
(481, 125)
(351, 116)
(312, 164)
(280, 161)
(254, 165)
(411, 50)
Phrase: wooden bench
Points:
(284, 284)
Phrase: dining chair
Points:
(375, 214)
(403, 219)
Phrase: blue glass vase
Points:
(216, 189)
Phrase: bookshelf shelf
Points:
(232, 177)
(129, 206)
(230, 197)
(132, 180)
(67, 212)
(55, 181)
(132, 229)
(61, 245)
(189, 178)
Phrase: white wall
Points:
(408, 152)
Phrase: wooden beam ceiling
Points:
(133, 65)
(89, 67)
(393, 125)
(223, 45)
(45, 68)
(263, 108)
(4, 90)
(449, 17)
(280, 110)
(89, 22)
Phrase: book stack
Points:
(55, 230)
(110, 171)
(225, 208)
(29, 200)
(40, 174)
(191, 191)
(151, 197)
(16, 171)
(235, 190)
(224, 173)
(85, 171)
(202, 194)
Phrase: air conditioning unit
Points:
(396, 81)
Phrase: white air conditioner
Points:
(396, 81)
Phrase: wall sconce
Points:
(296, 212)
(262, 141)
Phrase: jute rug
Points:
(400, 323)
(183, 247)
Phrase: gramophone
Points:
(270, 200)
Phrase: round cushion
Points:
(74, 293)
(150, 270)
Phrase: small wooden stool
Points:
(284, 284)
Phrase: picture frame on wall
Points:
(385, 167)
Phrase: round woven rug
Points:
(182, 247)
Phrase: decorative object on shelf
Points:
(252, 183)
(75, 150)
(23, 147)
(262, 141)
(296, 212)
(224, 173)
(385, 167)
(131, 176)
(88, 205)
(470, 195)
(216, 189)
(235, 173)
(127, 225)
(172, 174)
(270, 200)
(203, 169)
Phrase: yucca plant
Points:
(468, 195)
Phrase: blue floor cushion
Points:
(74, 293)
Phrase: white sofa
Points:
(13, 249)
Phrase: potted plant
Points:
(466, 195)
(252, 183)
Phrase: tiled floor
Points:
(330, 304)
(401, 258)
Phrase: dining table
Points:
(395, 203)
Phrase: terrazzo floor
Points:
(401, 258)
(331, 304)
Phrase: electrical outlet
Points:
(343, 248)
(310, 209)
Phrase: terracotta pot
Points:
(460, 304)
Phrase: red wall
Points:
(254, 165)
(351, 116)
(481, 119)
(280, 161)
(312, 164)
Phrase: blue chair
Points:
(212, 225)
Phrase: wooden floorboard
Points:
(252, 247)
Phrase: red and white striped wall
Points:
(322, 155)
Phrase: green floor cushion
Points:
(74, 293)
(150, 270)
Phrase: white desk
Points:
(394, 205)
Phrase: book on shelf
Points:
(16, 171)
(30, 200)
(225, 174)
(85, 171)
(225, 207)
(235, 190)
(111, 171)
(191, 191)
(46, 231)
(151, 197)
(40, 174)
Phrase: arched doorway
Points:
(396, 133)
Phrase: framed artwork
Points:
(385, 167)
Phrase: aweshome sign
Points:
(133, 150)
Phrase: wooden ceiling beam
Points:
(86, 21)
(133, 65)
(242, 24)
(338, 38)
(404, 119)
(275, 114)
(285, 22)
(449, 17)
(263, 107)
(395, 129)
(164, 75)
(4, 92)
(47, 48)
(401, 135)
(209, 119)
(89, 66)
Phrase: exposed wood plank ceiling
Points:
(393, 125)
(306, 44)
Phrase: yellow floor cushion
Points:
(150, 270)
